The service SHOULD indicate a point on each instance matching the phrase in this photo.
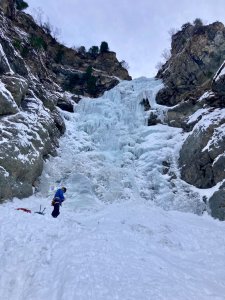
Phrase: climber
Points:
(57, 201)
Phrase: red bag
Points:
(24, 209)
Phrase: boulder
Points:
(7, 104)
(153, 118)
(4, 63)
(65, 104)
(201, 156)
(217, 203)
(48, 98)
(108, 63)
(59, 122)
(178, 115)
(218, 84)
(17, 86)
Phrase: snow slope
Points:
(127, 229)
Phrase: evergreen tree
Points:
(104, 47)
(21, 5)
(82, 50)
(94, 51)
(91, 81)
(88, 72)
(186, 25)
(198, 22)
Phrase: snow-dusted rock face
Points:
(202, 159)
(8, 7)
(218, 85)
(17, 86)
(7, 104)
(194, 88)
(26, 138)
(196, 54)
(202, 155)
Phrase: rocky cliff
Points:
(38, 76)
(194, 91)
(197, 52)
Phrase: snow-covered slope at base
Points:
(123, 251)
(113, 240)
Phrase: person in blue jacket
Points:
(57, 201)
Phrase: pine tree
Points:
(21, 5)
(94, 50)
(104, 47)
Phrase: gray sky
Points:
(137, 30)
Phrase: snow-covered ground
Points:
(129, 228)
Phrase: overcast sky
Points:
(137, 30)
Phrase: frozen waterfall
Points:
(110, 154)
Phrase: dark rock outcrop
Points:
(201, 153)
(197, 53)
(217, 204)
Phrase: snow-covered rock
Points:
(7, 104)
(17, 86)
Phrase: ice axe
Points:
(40, 212)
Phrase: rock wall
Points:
(194, 90)
(196, 54)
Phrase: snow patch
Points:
(3, 57)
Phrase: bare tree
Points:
(82, 50)
(159, 65)
(45, 23)
(38, 15)
(166, 54)
(125, 65)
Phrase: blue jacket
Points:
(59, 196)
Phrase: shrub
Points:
(91, 85)
(21, 5)
(124, 64)
(166, 54)
(159, 65)
(91, 81)
(17, 44)
(94, 51)
(186, 25)
(82, 50)
(37, 42)
(88, 72)
(72, 81)
(59, 55)
(24, 51)
(50, 29)
(104, 47)
(198, 22)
